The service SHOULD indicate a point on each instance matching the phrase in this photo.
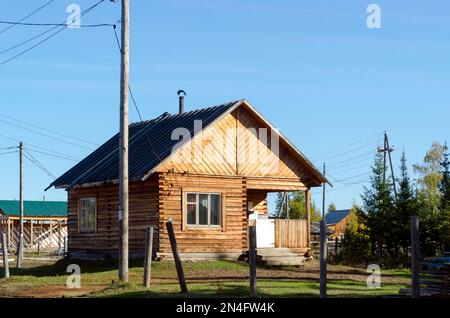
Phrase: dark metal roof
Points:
(150, 143)
(334, 217)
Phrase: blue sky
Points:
(313, 68)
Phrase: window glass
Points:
(88, 214)
(191, 214)
(203, 209)
(215, 209)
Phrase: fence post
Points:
(66, 245)
(323, 259)
(5, 255)
(415, 259)
(148, 256)
(176, 256)
(336, 245)
(252, 258)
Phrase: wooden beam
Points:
(308, 214)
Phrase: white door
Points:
(265, 233)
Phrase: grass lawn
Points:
(204, 279)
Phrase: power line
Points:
(26, 17)
(43, 148)
(38, 164)
(49, 130)
(58, 24)
(45, 39)
(8, 152)
(377, 135)
(129, 86)
(352, 159)
(45, 135)
(53, 155)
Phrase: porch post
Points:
(308, 214)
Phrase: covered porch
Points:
(279, 240)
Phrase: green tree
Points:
(432, 218)
(331, 207)
(405, 207)
(444, 185)
(378, 206)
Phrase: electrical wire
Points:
(30, 157)
(40, 147)
(25, 17)
(53, 155)
(45, 135)
(45, 39)
(348, 145)
(48, 130)
(58, 24)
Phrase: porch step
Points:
(280, 257)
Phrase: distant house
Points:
(44, 223)
(315, 232)
(207, 170)
(337, 221)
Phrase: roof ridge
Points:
(167, 115)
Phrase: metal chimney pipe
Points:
(181, 95)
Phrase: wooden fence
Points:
(291, 233)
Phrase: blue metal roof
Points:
(335, 217)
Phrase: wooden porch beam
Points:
(308, 214)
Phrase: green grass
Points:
(204, 279)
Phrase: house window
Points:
(203, 209)
(88, 215)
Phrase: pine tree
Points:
(444, 188)
(444, 185)
(405, 207)
(378, 205)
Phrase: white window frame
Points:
(197, 209)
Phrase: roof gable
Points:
(334, 217)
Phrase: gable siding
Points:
(229, 147)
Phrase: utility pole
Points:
(20, 247)
(386, 150)
(323, 245)
(123, 153)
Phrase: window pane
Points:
(191, 197)
(191, 219)
(203, 209)
(87, 214)
(215, 209)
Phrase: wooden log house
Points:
(207, 170)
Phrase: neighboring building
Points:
(44, 223)
(198, 169)
(337, 222)
(315, 232)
